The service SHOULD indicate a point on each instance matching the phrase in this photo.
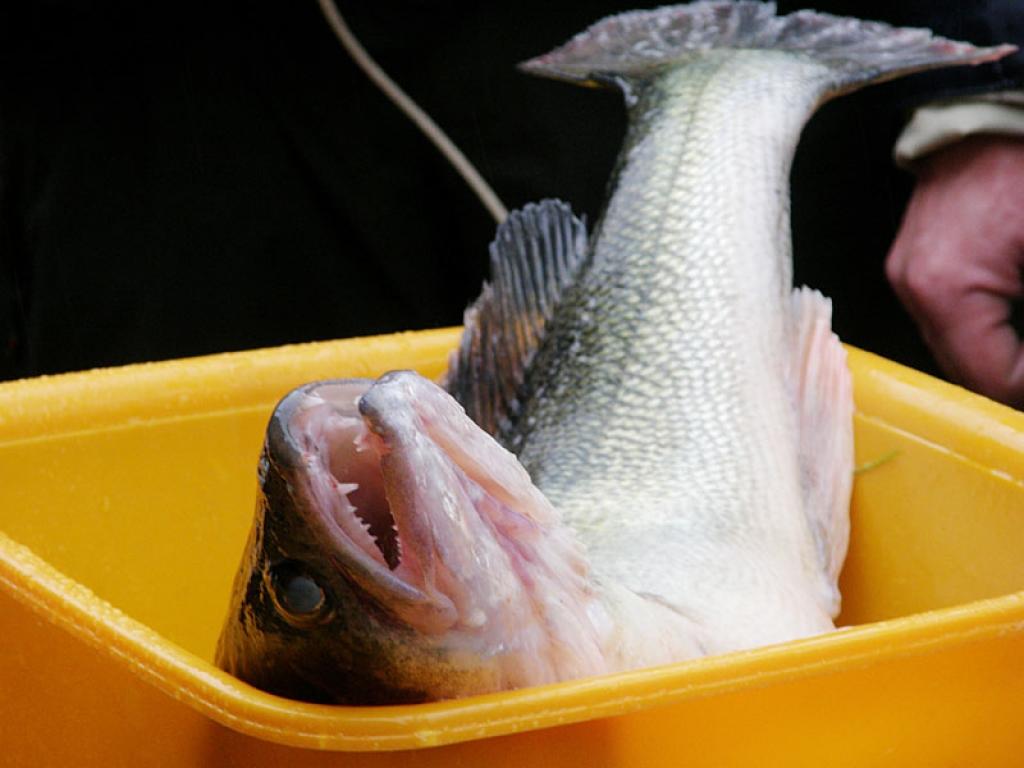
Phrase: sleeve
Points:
(946, 107)
(934, 126)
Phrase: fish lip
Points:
(281, 444)
(311, 483)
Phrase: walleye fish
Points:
(645, 450)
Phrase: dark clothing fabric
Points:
(185, 179)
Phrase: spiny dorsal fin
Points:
(536, 254)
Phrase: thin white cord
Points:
(476, 182)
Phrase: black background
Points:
(182, 179)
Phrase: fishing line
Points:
(411, 110)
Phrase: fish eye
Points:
(296, 593)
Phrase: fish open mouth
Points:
(432, 524)
(413, 503)
(347, 482)
(343, 464)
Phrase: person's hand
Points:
(956, 262)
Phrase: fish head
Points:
(399, 554)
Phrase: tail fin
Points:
(632, 46)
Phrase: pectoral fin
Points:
(823, 393)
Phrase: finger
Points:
(975, 344)
(929, 282)
(895, 266)
(921, 263)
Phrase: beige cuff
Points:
(938, 125)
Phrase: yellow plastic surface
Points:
(126, 496)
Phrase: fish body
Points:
(652, 458)
(672, 363)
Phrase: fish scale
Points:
(684, 269)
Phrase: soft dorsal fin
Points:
(536, 254)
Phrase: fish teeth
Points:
(348, 513)
(346, 488)
(362, 442)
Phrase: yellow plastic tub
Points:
(126, 496)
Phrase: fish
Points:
(642, 450)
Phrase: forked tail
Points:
(630, 47)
